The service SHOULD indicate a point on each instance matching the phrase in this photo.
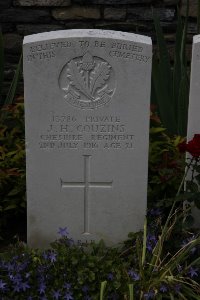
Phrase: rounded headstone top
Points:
(196, 38)
(87, 33)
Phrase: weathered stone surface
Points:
(87, 124)
(194, 107)
(111, 13)
(42, 2)
(5, 3)
(76, 12)
(145, 13)
(193, 8)
(12, 43)
(22, 15)
(27, 29)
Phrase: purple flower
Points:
(193, 272)
(151, 242)
(163, 288)
(68, 296)
(63, 232)
(45, 255)
(56, 295)
(67, 286)
(24, 286)
(10, 267)
(149, 247)
(22, 266)
(16, 288)
(42, 288)
(52, 257)
(16, 279)
(134, 275)
(2, 285)
(149, 295)
(110, 276)
(152, 238)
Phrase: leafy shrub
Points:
(166, 164)
(12, 164)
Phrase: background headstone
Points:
(87, 95)
(194, 103)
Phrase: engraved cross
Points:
(86, 184)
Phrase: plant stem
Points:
(103, 287)
(184, 177)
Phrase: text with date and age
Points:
(67, 132)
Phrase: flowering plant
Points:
(193, 146)
(166, 165)
(157, 272)
(145, 267)
(193, 170)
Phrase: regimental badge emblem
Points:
(87, 81)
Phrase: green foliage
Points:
(1, 64)
(170, 84)
(13, 87)
(12, 154)
(162, 273)
(103, 286)
(166, 164)
(144, 267)
(12, 164)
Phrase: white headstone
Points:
(194, 103)
(87, 96)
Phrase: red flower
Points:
(182, 147)
(193, 146)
